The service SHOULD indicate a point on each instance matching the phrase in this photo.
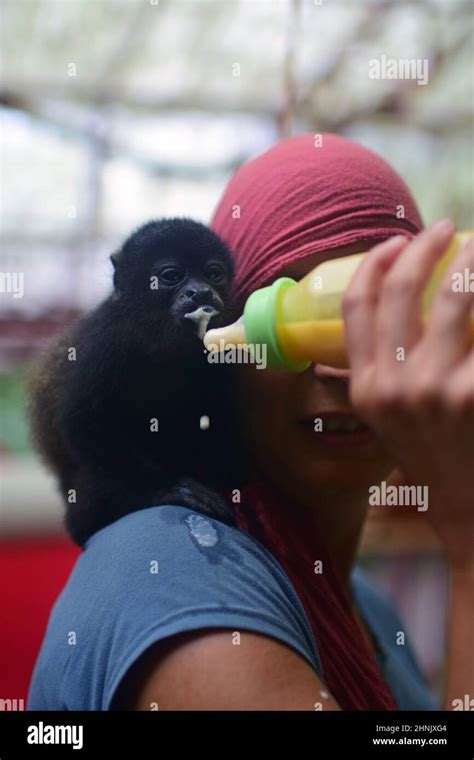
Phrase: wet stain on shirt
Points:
(202, 531)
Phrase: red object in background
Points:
(33, 572)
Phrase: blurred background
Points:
(117, 111)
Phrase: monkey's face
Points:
(193, 295)
(172, 277)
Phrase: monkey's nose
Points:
(196, 294)
(199, 295)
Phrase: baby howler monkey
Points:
(116, 403)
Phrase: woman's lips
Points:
(337, 430)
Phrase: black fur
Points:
(138, 359)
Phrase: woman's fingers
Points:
(450, 327)
(399, 317)
(461, 389)
(361, 299)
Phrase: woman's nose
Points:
(325, 371)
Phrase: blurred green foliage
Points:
(14, 433)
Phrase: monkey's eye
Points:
(215, 273)
(170, 275)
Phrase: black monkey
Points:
(116, 405)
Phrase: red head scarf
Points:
(298, 198)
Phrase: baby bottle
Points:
(301, 322)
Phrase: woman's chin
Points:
(341, 465)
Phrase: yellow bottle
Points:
(301, 322)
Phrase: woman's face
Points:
(279, 410)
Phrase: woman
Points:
(168, 610)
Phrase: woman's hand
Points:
(415, 386)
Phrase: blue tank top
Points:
(166, 570)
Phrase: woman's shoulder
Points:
(191, 570)
(159, 572)
(177, 546)
(171, 530)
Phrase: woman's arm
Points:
(423, 407)
(203, 670)
(459, 690)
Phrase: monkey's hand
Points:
(188, 492)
